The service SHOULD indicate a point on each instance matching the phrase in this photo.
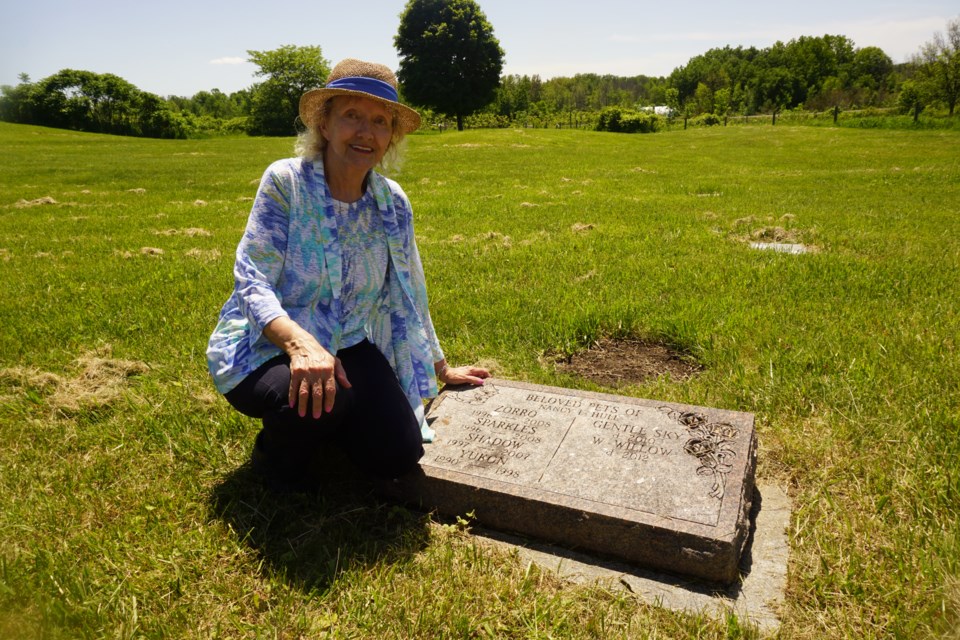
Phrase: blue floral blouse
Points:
(290, 263)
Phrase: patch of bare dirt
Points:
(623, 361)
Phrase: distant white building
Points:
(660, 110)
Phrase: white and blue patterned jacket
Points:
(289, 264)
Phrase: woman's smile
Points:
(358, 133)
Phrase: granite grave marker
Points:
(662, 485)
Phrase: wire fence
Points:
(874, 117)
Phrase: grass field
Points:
(126, 508)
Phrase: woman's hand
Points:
(314, 371)
(460, 375)
(314, 374)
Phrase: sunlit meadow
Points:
(127, 509)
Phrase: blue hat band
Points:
(374, 87)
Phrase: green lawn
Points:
(126, 508)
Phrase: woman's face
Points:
(358, 132)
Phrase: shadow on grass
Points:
(309, 537)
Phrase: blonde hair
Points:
(310, 142)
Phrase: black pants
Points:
(371, 422)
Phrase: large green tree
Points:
(289, 72)
(84, 100)
(450, 60)
(16, 102)
(939, 65)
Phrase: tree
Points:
(939, 65)
(911, 99)
(775, 88)
(703, 99)
(717, 69)
(155, 119)
(290, 71)
(86, 101)
(16, 102)
(672, 98)
(812, 60)
(449, 58)
(872, 67)
(721, 101)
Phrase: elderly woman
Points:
(327, 337)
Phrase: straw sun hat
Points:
(363, 79)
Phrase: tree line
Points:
(105, 103)
(450, 69)
(809, 73)
(87, 101)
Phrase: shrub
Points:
(486, 121)
(706, 120)
(617, 120)
(235, 125)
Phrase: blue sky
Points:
(175, 47)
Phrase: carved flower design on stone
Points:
(700, 448)
(723, 430)
(688, 418)
(709, 443)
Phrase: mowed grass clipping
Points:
(126, 509)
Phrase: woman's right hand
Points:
(314, 371)
(314, 374)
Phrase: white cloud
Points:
(229, 60)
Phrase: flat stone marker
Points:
(780, 247)
(661, 485)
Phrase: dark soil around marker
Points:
(619, 362)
